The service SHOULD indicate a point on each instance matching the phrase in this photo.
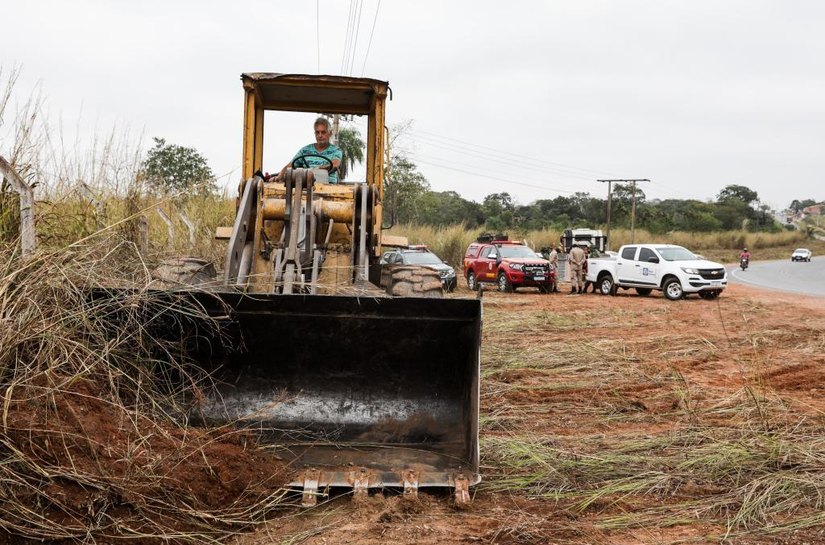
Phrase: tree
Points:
(732, 193)
(800, 205)
(352, 147)
(403, 190)
(449, 208)
(498, 210)
(176, 169)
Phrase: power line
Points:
(369, 44)
(355, 41)
(496, 178)
(467, 147)
(632, 182)
(576, 186)
(508, 154)
(345, 49)
(525, 162)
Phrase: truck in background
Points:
(594, 237)
(507, 263)
(672, 269)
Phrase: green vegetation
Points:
(170, 168)
(450, 242)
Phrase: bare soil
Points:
(580, 375)
(586, 374)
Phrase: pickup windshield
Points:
(517, 251)
(676, 253)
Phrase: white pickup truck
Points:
(647, 267)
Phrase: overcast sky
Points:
(538, 99)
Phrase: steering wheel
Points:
(303, 161)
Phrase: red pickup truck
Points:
(509, 264)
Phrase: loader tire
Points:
(184, 271)
(411, 281)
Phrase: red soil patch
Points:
(106, 462)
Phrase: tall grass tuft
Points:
(89, 431)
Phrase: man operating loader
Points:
(322, 154)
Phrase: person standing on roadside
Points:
(553, 258)
(576, 261)
(584, 272)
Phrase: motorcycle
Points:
(743, 262)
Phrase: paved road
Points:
(784, 275)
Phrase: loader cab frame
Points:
(265, 91)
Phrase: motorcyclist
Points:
(745, 255)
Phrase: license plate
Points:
(538, 278)
(715, 282)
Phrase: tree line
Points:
(409, 199)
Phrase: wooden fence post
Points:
(189, 225)
(28, 238)
(170, 227)
(143, 235)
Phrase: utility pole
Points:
(335, 129)
(632, 209)
(609, 201)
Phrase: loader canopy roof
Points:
(306, 93)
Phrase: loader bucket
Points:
(357, 392)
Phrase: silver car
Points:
(801, 254)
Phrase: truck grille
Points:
(712, 274)
(535, 270)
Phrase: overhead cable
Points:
(509, 154)
(355, 40)
(345, 49)
(574, 185)
(369, 44)
(525, 162)
(496, 178)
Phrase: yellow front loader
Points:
(354, 387)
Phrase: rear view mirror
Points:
(653, 259)
(493, 255)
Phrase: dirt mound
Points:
(91, 463)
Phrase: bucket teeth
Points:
(410, 478)
(310, 497)
(360, 484)
(462, 491)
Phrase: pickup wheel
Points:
(673, 289)
(504, 285)
(471, 281)
(644, 292)
(606, 286)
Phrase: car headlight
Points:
(516, 266)
(448, 273)
(689, 270)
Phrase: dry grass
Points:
(582, 408)
(91, 446)
(450, 242)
